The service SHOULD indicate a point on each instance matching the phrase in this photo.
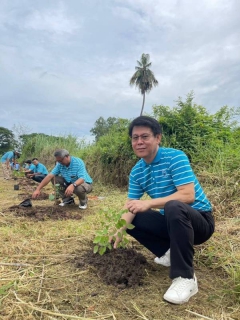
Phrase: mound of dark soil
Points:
(121, 267)
(26, 182)
(42, 196)
(44, 213)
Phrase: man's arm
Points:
(70, 188)
(42, 184)
(184, 193)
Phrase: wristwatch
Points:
(74, 184)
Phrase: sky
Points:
(64, 64)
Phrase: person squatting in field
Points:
(39, 172)
(72, 176)
(178, 215)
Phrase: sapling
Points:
(111, 225)
(54, 196)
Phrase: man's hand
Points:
(36, 193)
(69, 190)
(135, 206)
(117, 239)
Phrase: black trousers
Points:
(180, 228)
(39, 177)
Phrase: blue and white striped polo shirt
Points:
(169, 169)
(74, 171)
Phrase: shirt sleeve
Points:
(56, 170)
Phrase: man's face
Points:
(65, 161)
(35, 162)
(144, 144)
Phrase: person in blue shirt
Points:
(29, 167)
(72, 176)
(177, 214)
(16, 167)
(6, 160)
(39, 171)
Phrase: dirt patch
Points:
(26, 182)
(44, 213)
(121, 268)
(42, 196)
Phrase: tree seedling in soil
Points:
(111, 227)
(55, 195)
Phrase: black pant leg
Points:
(186, 227)
(151, 231)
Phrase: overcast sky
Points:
(66, 63)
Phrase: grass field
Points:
(40, 280)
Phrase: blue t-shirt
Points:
(40, 168)
(8, 156)
(73, 172)
(31, 167)
(160, 178)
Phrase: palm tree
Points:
(143, 78)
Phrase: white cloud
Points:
(69, 62)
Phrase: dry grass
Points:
(39, 279)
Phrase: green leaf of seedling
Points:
(51, 197)
(130, 226)
(102, 250)
(97, 239)
(119, 234)
(95, 249)
(123, 222)
(57, 185)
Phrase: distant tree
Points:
(25, 138)
(7, 141)
(144, 78)
(103, 127)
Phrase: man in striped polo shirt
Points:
(71, 174)
(178, 215)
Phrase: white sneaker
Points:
(181, 290)
(66, 202)
(164, 260)
(83, 206)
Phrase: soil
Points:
(39, 213)
(42, 196)
(121, 268)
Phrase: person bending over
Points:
(71, 174)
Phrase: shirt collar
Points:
(155, 160)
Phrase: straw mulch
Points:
(48, 271)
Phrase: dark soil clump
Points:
(44, 213)
(42, 196)
(121, 268)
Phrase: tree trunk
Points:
(143, 104)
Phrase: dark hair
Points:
(28, 161)
(34, 159)
(144, 121)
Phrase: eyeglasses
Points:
(143, 137)
(61, 160)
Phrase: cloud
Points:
(66, 63)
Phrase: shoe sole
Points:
(183, 301)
